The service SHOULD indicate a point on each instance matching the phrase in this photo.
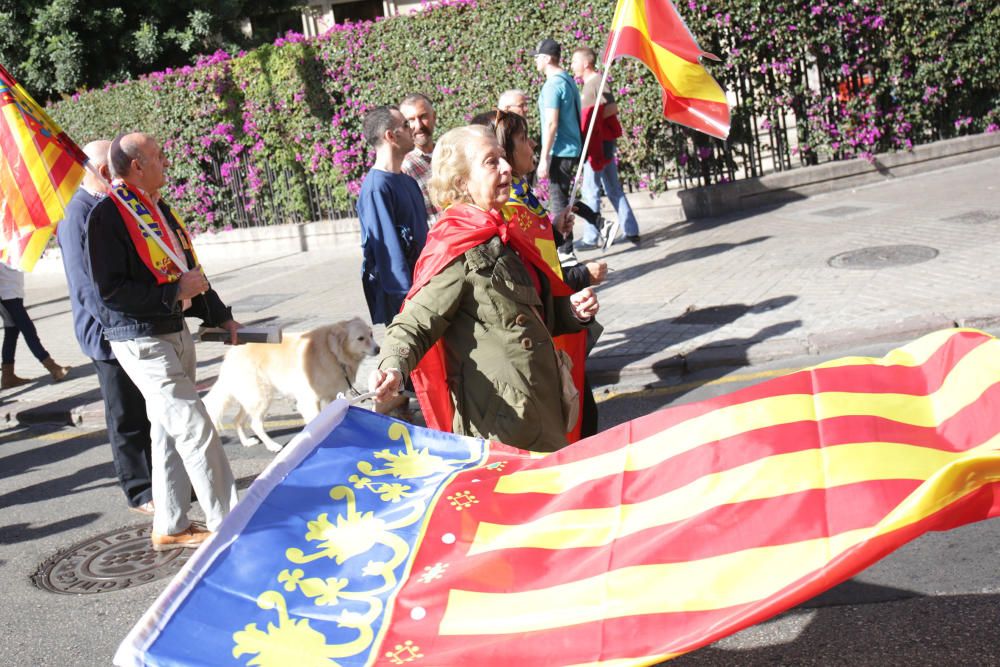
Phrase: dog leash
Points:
(347, 376)
(359, 398)
(368, 395)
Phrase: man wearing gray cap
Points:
(559, 110)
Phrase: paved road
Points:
(732, 290)
(933, 602)
(735, 290)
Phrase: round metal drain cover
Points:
(880, 257)
(119, 559)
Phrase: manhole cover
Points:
(259, 302)
(840, 211)
(976, 217)
(880, 257)
(119, 559)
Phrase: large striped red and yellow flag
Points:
(653, 32)
(40, 168)
(372, 542)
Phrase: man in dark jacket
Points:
(148, 279)
(124, 407)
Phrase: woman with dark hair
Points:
(511, 130)
(530, 218)
(475, 332)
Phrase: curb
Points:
(668, 366)
(51, 413)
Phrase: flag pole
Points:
(608, 59)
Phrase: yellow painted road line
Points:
(24, 432)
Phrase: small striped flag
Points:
(654, 33)
(372, 542)
(40, 169)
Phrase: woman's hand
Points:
(584, 304)
(385, 384)
(564, 221)
(598, 271)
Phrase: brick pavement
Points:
(731, 290)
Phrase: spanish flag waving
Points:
(653, 32)
(40, 168)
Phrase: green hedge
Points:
(889, 75)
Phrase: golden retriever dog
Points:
(311, 367)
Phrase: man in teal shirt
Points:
(559, 110)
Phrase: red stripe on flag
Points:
(779, 520)
(650, 634)
(868, 378)
(22, 175)
(693, 112)
(970, 427)
(667, 28)
(62, 167)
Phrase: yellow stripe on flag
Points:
(12, 197)
(977, 371)
(33, 251)
(767, 478)
(680, 77)
(699, 585)
(38, 166)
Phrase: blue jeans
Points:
(607, 179)
(22, 325)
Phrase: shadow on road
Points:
(686, 255)
(92, 477)
(926, 630)
(26, 532)
(37, 457)
(728, 352)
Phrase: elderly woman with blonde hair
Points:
(475, 332)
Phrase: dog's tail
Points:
(216, 401)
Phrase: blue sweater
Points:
(72, 237)
(393, 232)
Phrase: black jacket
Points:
(133, 304)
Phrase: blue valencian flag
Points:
(325, 536)
(369, 541)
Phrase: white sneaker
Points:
(610, 232)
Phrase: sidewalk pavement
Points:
(885, 262)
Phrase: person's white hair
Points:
(509, 98)
(450, 164)
(97, 151)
